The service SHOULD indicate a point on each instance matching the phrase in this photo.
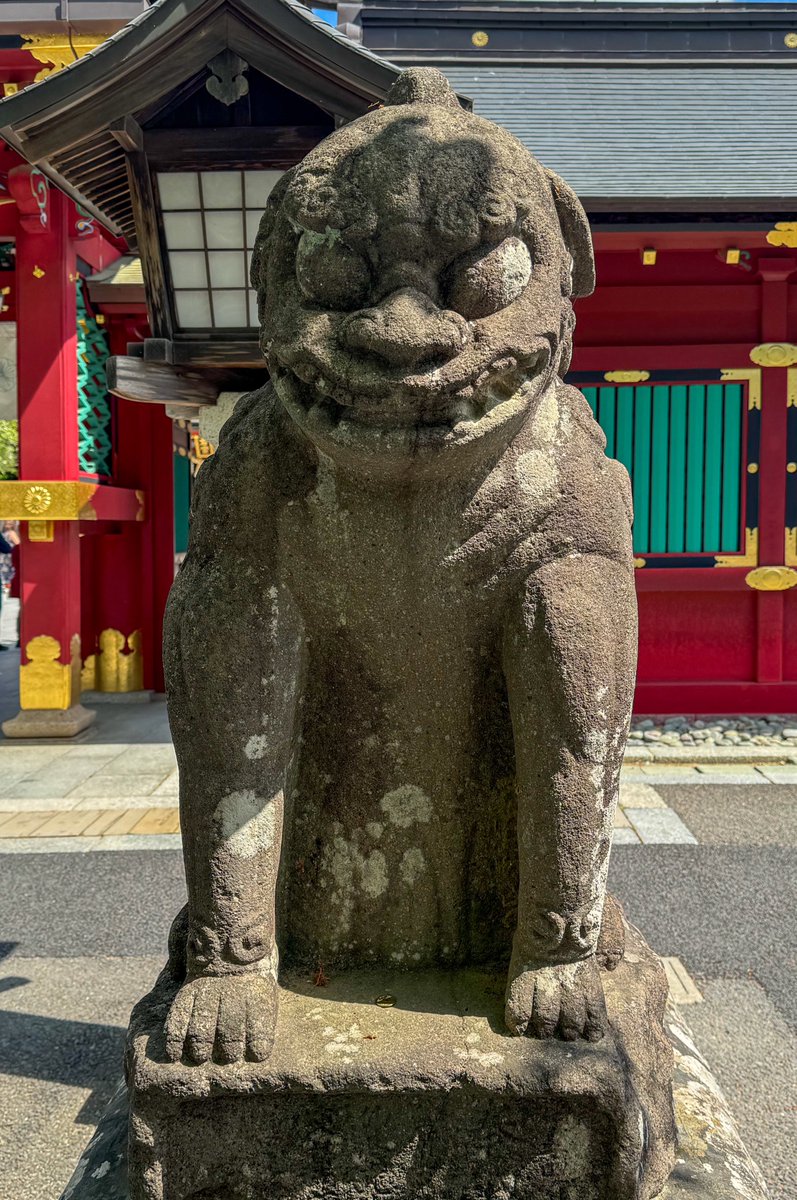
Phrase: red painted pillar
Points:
(144, 461)
(48, 427)
(774, 272)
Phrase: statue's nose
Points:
(406, 329)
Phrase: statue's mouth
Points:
(415, 401)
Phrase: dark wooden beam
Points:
(149, 247)
(227, 354)
(128, 133)
(266, 145)
(157, 383)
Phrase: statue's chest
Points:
(379, 572)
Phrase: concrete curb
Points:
(694, 755)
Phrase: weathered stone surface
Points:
(711, 1160)
(405, 748)
(430, 1097)
(403, 752)
(101, 1173)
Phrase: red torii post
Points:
(50, 498)
(48, 436)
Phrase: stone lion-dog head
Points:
(415, 274)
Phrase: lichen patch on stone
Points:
(256, 747)
(406, 805)
(247, 823)
(412, 865)
(485, 1058)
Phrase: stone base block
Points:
(49, 722)
(711, 1160)
(429, 1098)
(143, 696)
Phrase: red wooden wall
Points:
(709, 641)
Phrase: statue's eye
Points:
(330, 273)
(485, 281)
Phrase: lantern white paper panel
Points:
(210, 222)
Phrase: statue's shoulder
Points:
(260, 455)
(577, 416)
(253, 425)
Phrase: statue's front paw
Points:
(228, 1018)
(565, 1000)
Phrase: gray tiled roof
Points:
(649, 133)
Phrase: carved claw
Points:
(611, 943)
(228, 1018)
(564, 1000)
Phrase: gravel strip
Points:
(780, 731)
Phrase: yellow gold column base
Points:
(44, 681)
(48, 722)
(119, 666)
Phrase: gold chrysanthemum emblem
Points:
(37, 499)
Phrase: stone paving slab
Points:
(779, 774)
(80, 845)
(669, 773)
(626, 837)
(156, 799)
(639, 795)
(77, 821)
(147, 759)
(14, 804)
(744, 771)
(170, 786)
(683, 989)
(657, 825)
(634, 752)
(731, 777)
(99, 786)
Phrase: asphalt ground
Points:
(83, 935)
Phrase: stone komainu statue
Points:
(410, 577)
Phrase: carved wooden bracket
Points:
(31, 191)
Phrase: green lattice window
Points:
(94, 407)
(682, 444)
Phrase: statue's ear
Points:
(576, 233)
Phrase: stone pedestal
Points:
(49, 722)
(427, 1098)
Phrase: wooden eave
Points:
(64, 124)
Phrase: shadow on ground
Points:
(74, 1053)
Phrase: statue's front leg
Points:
(232, 659)
(569, 661)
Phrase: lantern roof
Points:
(77, 124)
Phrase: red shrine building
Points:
(130, 193)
